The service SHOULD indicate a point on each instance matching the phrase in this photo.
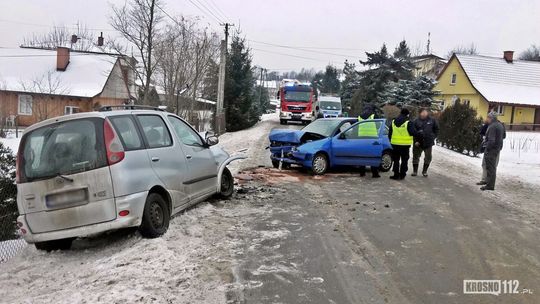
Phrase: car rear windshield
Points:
(63, 148)
(325, 127)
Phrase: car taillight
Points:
(113, 146)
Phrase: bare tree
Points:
(44, 86)
(462, 49)
(138, 22)
(61, 36)
(531, 54)
(185, 53)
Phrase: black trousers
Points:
(400, 156)
(492, 159)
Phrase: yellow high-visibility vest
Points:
(368, 128)
(400, 135)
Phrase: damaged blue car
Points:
(335, 142)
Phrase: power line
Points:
(305, 50)
(219, 10)
(59, 26)
(289, 55)
(209, 10)
(200, 9)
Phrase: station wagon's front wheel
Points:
(227, 184)
(320, 164)
(156, 217)
(386, 161)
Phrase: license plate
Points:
(67, 199)
(297, 116)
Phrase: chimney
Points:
(62, 58)
(509, 56)
(74, 38)
(100, 40)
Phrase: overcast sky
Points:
(342, 29)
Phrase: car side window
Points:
(363, 130)
(344, 126)
(126, 129)
(155, 131)
(184, 132)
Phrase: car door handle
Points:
(189, 156)
(155, 159)
(376, 143)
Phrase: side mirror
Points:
(212, 140)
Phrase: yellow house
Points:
(509, 87)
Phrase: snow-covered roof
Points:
(85, 75)
(499, 81)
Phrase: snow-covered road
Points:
(288, 237)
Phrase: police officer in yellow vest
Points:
(368, 129)
(401, 137)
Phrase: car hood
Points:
(293, 136)
(286, 135)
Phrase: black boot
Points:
(415, 170)
(424, 170)
(395, 176)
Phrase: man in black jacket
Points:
(426, 130)
(493, 144)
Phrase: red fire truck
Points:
(296, 101)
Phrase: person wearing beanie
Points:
(426, 129)
(401, 134)
(492, 145)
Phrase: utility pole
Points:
(220, 115)
(428, 43)
(261, 88)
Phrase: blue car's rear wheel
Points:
(319, 164)
(386, 161)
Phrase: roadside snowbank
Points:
(520, 158)
(11, 141)
(253, 139)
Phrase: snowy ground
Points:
(11, 141)
(519, 160)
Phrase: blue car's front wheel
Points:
(386, 161)
(319, 164)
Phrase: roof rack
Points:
(129, 107)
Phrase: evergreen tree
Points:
(350, 82)
(460, 129)
(417, 92)
(8, 194)
(329, 83)
(241, 108)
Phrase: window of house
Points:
(499, 109)
(453, 78)
(25, 105)
(71, 110)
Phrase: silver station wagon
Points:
(120, 167)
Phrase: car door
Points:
(351, 147)
(166, 156)
(202, 167)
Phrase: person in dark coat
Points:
(368, 112)
(426, 130)
(493, 145)
(401, 134)
(483, 131)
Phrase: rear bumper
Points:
(134, 203)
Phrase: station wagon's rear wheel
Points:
(156, 217)
(386, 161)
(320, 164)
(62, 244)
(227, 184)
